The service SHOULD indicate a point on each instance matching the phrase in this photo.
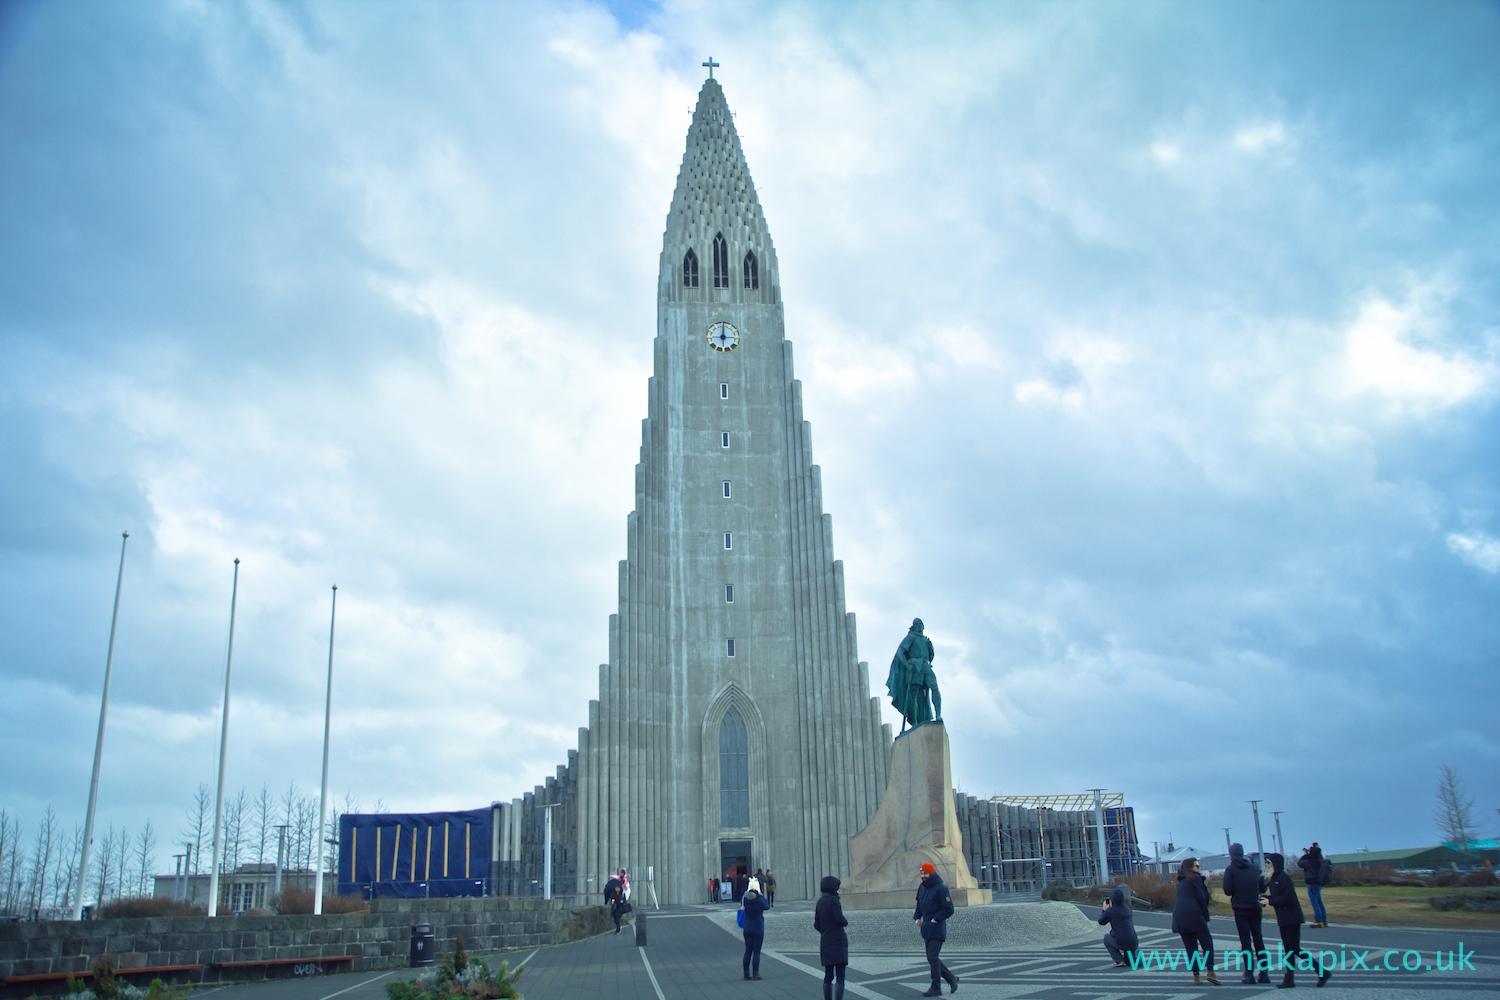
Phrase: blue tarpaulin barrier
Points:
(413, 855)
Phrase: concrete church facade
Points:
(734, 719)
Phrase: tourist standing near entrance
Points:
(1245, 885)
(1316, 871)
(713, 890)
(1121, 939)
(770, 887)
(754, 906)
(1281, 893)
(934, 907)
(1190, 920)
(833, 945)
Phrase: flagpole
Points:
(323, 797)
(213, 879)
(109, 663)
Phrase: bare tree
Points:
(145, 858)
(42, 850)
(104, 865)
(234, 830)
(69, 877)
(1455, 809)
(199, 823)
(10, 839)
(123, 879)
(265, 821)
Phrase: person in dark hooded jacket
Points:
(1121, 939)
(1281, 893)
(833, 946)
(755, 907)
(1244, 886)
(1190, 920)
(1316, 871)
(934, 907)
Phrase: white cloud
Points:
(1258, 138)
(1379, 359)
(1477, 549)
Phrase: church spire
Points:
(715, 197)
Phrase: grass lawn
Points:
(1381, 906)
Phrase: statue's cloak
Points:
(907, 681)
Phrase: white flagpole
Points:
(323, 797)
(109, 663)
(213, 879)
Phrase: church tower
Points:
(734, 722)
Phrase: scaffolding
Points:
(1020, 843)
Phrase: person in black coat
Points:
(1244, 885)
(614, 898)
(1190, 920)
(1316, 871)
(755, 907)
(833, 945)
(1281, 893)
(934, 907)
(1121, 939)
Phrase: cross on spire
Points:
(711, 66)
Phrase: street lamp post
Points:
(1099, 829)
(109, 663)
(213, 879)
(1260, 854)
(1280, 844)
(323, 795)
(281, 829)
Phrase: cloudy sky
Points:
(1152, 354)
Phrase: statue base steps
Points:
(907, 899)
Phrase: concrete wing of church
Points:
(734, 723)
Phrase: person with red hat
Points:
(934, 907)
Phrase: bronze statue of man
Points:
(911, 682)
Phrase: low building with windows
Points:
(248, 887)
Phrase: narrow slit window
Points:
(728, 539)
(723, 390)
(721, 261)
(723, 439)
(752, 271)
(690, 270)
(728, 593)
(726, 489)
(730, 649)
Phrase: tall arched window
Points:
(752, 271)
(721, 261)
(690, 270)
(734, 772)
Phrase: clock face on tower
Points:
(723, 337)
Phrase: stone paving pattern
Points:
(693, 956)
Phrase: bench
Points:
(89, 973)
(285, 961)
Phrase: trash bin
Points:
(423, 945)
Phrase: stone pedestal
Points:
(915, 823)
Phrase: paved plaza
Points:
(691, 956)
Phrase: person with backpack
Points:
(934, 907)
(1317, 871)
(1245, 885)
(1190, 920)
(614, 898)
(1281, 893)
(1121, 938)
(752, 918)
(833, 943)
(770, 887)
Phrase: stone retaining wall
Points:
(381, 938)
